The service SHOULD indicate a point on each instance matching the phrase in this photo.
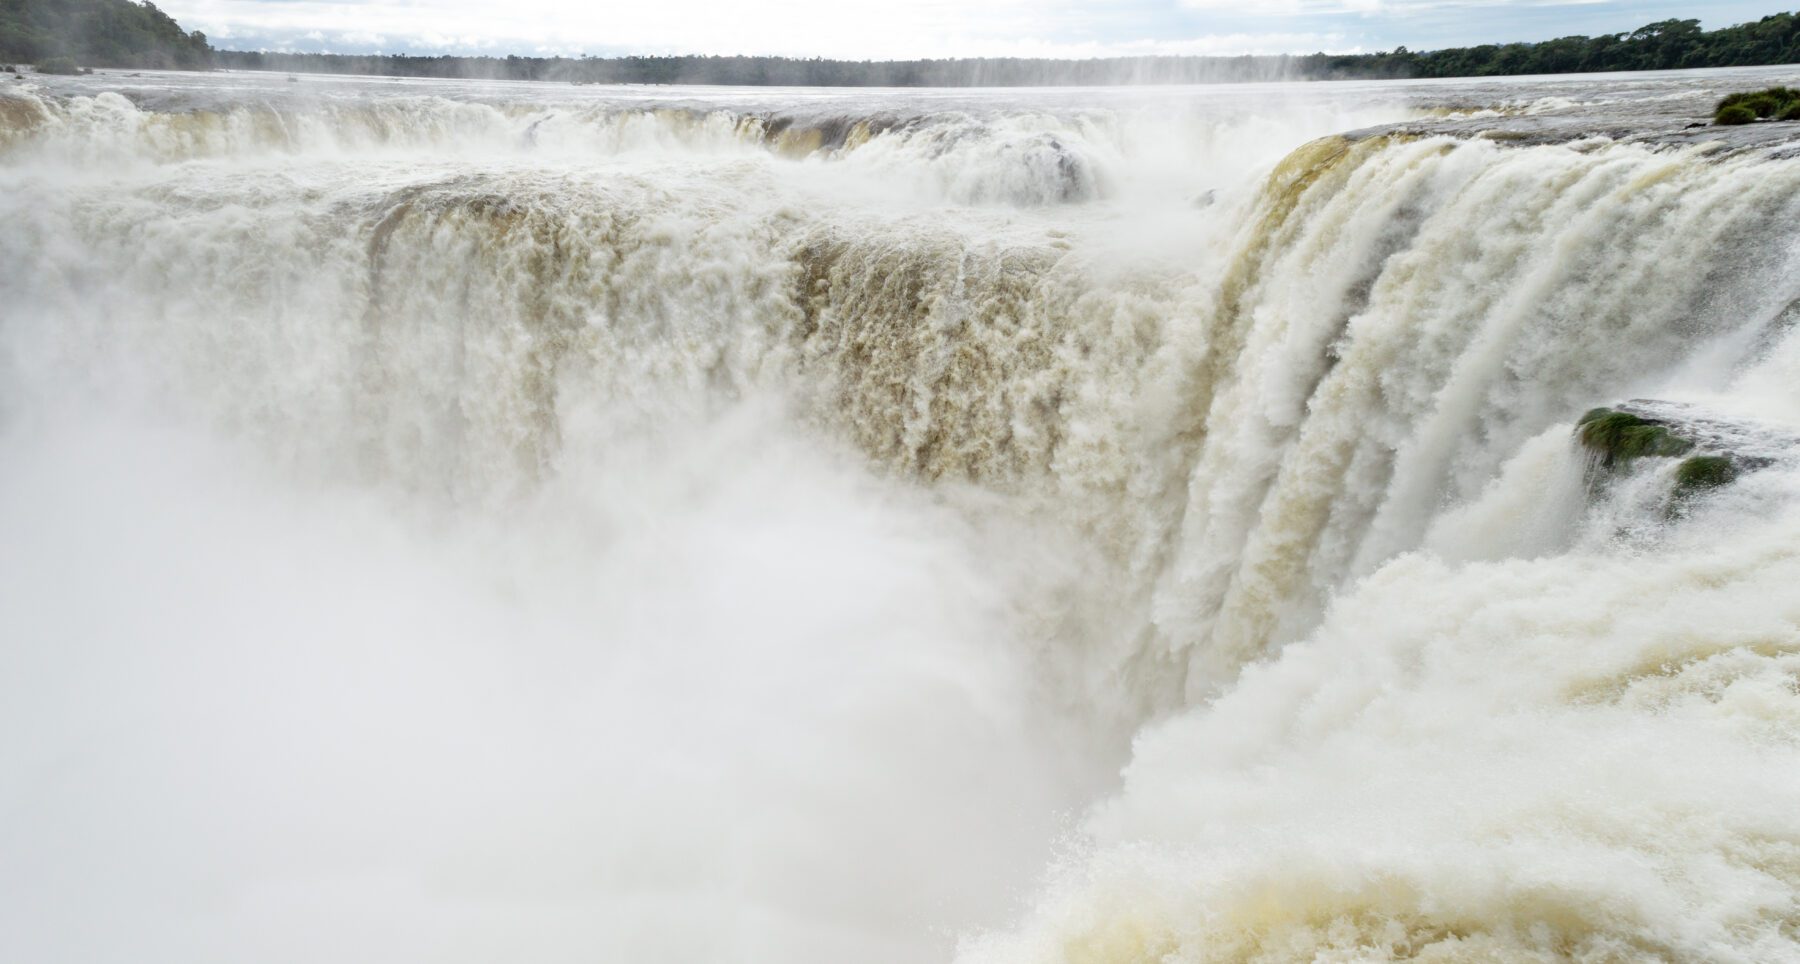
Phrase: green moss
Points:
(1734, 115)
(58, 65)
(1792, 113)
(1619, 437)
(1704, 472)
(1693, 478)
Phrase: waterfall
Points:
(682, 530)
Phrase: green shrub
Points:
(1734, 115)
(1780, 94)
(1746, 106)
(58, 65)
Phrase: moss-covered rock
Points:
(1694, 478)
(1618, 437)
(58, 65)
(1704, 472)
(1713, 451)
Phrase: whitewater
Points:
(477, 521)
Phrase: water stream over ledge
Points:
(454, 522)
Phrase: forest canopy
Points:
(100, 33)
(119, 33)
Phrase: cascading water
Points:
(468, 521)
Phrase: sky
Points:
(897, 29)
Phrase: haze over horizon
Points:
(906, 29)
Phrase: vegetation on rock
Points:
(1703, 472)
(1734, 115)
(1618, 437)
(1781, 103)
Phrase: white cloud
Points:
(889, 29)
(879, 29)
(1294, 8)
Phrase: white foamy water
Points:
(460, 522)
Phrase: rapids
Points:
(459, 522)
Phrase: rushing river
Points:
(474, 522)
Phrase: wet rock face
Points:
(1714, 451)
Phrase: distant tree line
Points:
(120, 33)
(1665, 45)
(100, 33)
(1669, 44)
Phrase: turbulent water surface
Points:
(477, 522)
